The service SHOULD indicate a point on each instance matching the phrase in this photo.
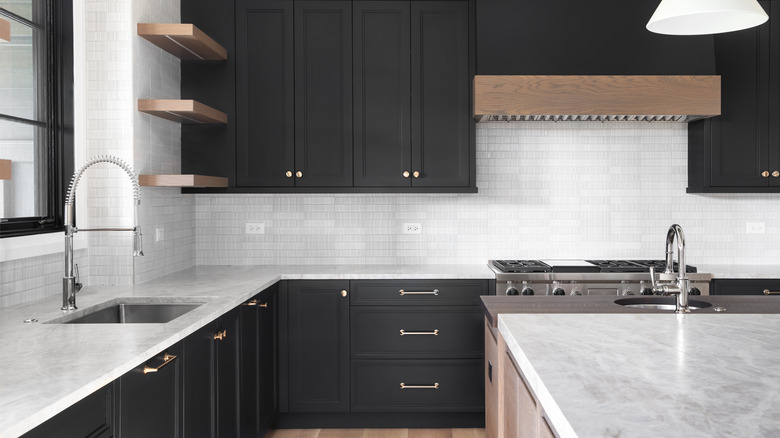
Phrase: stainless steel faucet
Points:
(70, 285)
(679, 286)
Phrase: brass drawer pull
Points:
(405, 386)
(167, 358)
(769, 292)
(434, 333)
(433, 292)
(220, 335)
(255, 303)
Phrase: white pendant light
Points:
(701, 17)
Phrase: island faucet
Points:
(70, 284)
(679, 286)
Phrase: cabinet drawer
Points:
(428, 332)
(745, 287)
(418, 292)
(376, 386)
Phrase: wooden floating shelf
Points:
(5, 169)
(597, 95)
(182, 111)
(183, 40)
(5, 31)
(182, 181)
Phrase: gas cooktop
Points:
(583, 266)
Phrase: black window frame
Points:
(59, 115)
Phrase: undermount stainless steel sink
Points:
(129, 311)
(659, 303)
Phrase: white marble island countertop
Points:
(651, 375)
(46, 368)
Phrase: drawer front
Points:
(745, 287)
(418, 292)
(376, 386)
(428, 332)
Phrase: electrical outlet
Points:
(255, 228)
(159, 234)
(756, 227)
(412, 229)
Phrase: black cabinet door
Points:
(774, 96)
(228, 365)
(740, 136)
(766, 286)
(323, 93)
(199, 417)
(318, 346)
(92, 417)
(150, 401)
(440, 94)
(265, 93)
(259, 393)
(381, 90)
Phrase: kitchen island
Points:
(648, 375)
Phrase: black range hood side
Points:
(575, 37)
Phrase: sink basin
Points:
(659, 303)
(129, 311)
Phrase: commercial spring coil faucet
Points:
(679, 286)
(70, 286)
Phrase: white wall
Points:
(546, 190)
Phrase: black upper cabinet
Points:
(323, 93)
(739, 151)
(318, 346)
(382, 88)
(440, 94)
(264, 77)
(259, 351)
(575, 37)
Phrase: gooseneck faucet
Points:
(70, 285)
(679, 286)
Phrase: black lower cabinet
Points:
(318, 346)
(753, 286)
(199, 418)
(259, 351)
(93, 417)
(228, 342)
(150, 397)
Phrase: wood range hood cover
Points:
(596, 98)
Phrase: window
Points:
(36, 114)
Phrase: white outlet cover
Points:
(756, 227)
(159, 234)
(412, 228)
(255, 228)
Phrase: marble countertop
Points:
(48, 367)
(741, 271)
(651, 375)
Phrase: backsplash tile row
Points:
(546, 190)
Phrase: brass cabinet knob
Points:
(220, 335)
(288, 174)
(344, 293)
(406, 174)
(416, 174)
(299, 174)
(776, 174)
(765, 174)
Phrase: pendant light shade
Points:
(701, 17)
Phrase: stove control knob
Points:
(646, 291)
(528, 291)
(628, 292)
(512, 291)
(576, 293)
(694, 291)
(559, 291)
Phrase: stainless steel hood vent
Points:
(515, 98)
